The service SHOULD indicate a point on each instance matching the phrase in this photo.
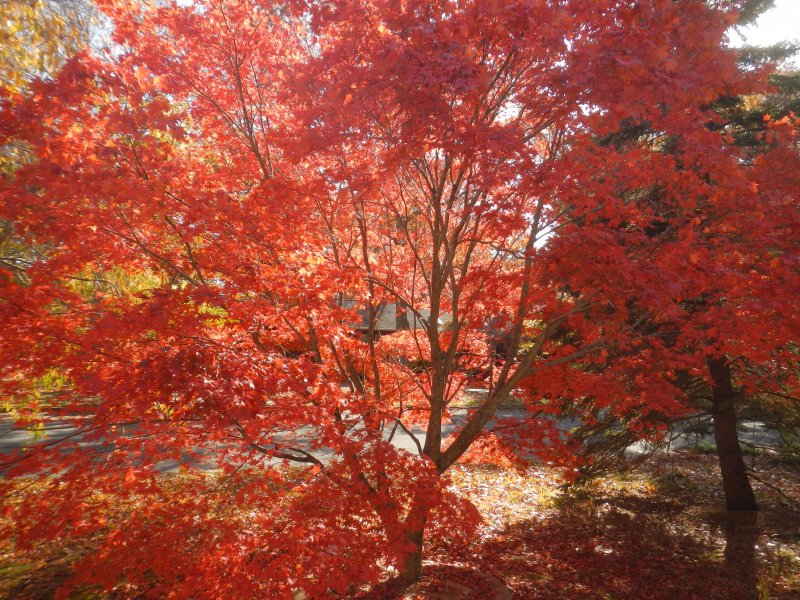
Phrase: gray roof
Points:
(385, 315)
(388, 318)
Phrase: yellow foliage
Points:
(38, 36)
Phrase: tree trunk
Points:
(412, 541)
(411, 567)
(738, 492)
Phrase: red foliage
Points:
(198, 199)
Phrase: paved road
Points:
(55, 429)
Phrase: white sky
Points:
(778, 24)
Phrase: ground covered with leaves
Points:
(658, 532)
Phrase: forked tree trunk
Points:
(738, 492)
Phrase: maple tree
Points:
(732, 337)
(761, 124)
(739, 317)
(749, 307)
(205, 196)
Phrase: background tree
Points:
(39, 37)
(736, 315)
(764, 126)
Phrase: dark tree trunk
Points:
(411, 567)
(412, 542)
(738, 492)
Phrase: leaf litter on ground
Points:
(658, 532)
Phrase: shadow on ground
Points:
(619, 555)
(616, 554)
(625, 546)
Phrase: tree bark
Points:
(738, 492)
(411, 567)
(412, 541)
